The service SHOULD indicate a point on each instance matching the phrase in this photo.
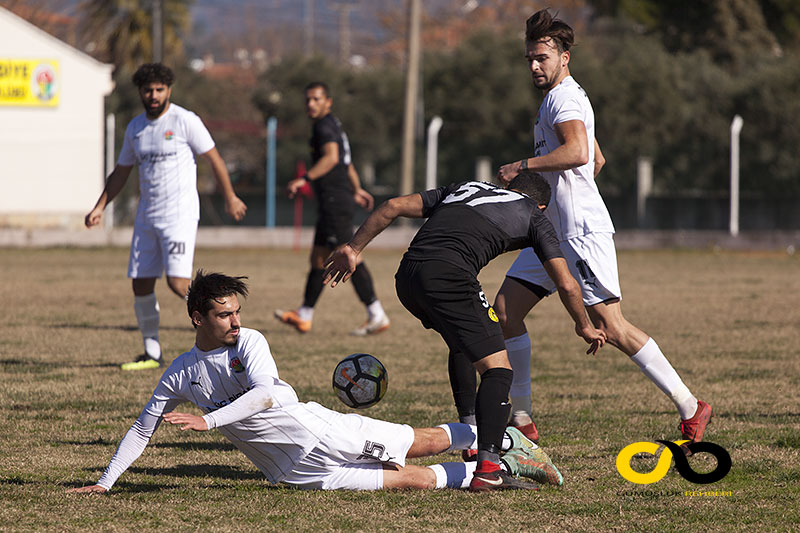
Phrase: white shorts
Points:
(592, 260)
(163, 247)
(351, 456)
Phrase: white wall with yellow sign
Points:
(29, 82)
(51, 127)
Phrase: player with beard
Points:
(162, 141)
(568, 156)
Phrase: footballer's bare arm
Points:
(234, 206)
(572, 153)
(343, 261)
(116, 180)
(570, 293)
(599, 160)
(329, 159)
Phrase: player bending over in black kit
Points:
(469, 224)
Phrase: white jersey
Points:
(239, 390)
(164, 150)
(576, 207)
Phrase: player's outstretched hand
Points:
(197, 423)
(93, 218)
(89, 489)
(508, 172)
(294, 186)
(340, 265)
(364, 199)
(592, 336)
(235, 208)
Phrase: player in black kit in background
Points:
(336, 185)
(469, 224)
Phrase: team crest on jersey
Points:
(493, 315)
(237, 365)
(168, 135)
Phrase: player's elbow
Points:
(581, 158)
(599, 163)
(397, 207)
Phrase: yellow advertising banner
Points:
(29, 82)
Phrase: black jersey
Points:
(325, 130)
(472, 222)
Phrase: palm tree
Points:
(120, 31)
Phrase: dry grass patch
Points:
(727, 321)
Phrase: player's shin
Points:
(461, 436)
(519, 355)
(148, 318)
(492, 409)
(463, 382)
(453, 475)
(655, 366)
(314, 287)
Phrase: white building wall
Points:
(52, 159)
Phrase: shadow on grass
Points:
(100, 441)
(118, 328)
(125, 487)
(189, 446)
(186, 446)
(200, 470)
(39, 366)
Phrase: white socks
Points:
(519, 355)
(147, 316)
(305, 313)
(656, 367)
(375, 310)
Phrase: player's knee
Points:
(512, 324)
(614, 333)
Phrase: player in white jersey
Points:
(162, 141)
(231, 376)
(566, 153)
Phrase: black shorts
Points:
(450, 301)
(335, 222)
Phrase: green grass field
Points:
(729, 322)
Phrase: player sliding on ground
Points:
(468, 225)
(231, 376)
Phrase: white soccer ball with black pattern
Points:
(360, 380)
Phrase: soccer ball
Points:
(360, 380)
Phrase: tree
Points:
(120, 31)
(485, 97)
(730, 30)
(366, 101)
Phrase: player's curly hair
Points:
(542, 26)
(533, 184)
(212, 286)
(153, 73)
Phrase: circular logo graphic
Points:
(44, 82)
